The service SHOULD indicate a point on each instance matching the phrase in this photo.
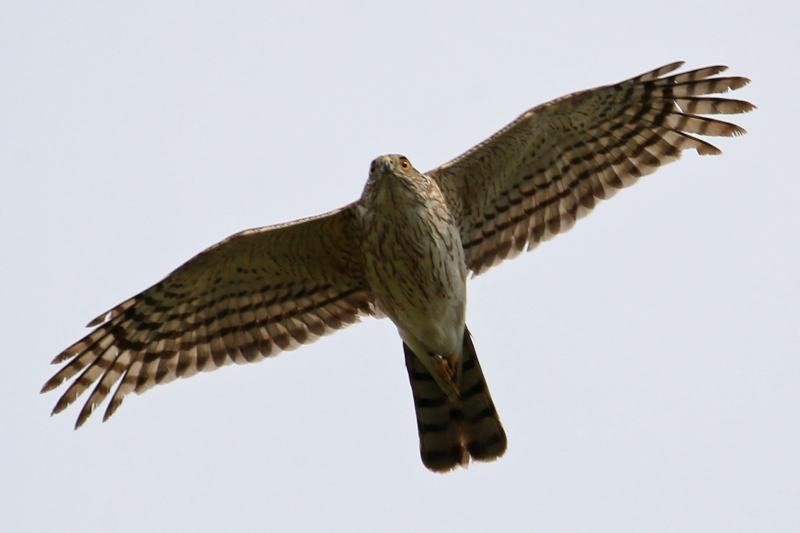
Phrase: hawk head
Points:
(392, 178)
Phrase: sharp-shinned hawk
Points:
(404, 250)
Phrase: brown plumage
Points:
(404, 250)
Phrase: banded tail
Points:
(452, 431)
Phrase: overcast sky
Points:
(646, 364)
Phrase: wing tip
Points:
(63, 356)
(99, 320)
(61, 404)
(84, 415)
(675, 65)
(659, 72)
(51, 384)
(708, 149)
(735, 82)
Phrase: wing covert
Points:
(538, 175)
(253, 295)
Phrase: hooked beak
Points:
(385, 165)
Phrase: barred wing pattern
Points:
(271, 289)
(253, 295)
(550, 167)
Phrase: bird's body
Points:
(404, 250)
(417, 274)
(414, 260)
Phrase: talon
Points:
(446, 369)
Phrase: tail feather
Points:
(452, 431)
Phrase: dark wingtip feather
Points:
(98, 320)
(708, 149)
(51, 384)
(112, 406)
(86, 412)
(63, 356)
(657, 73)
(61, 404)
(740, 81)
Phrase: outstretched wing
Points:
(538, 175)
(252, 295)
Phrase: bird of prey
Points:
(404, 250)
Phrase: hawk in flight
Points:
(404, 250)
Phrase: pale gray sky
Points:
(646, 364)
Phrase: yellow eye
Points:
(405, 164)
